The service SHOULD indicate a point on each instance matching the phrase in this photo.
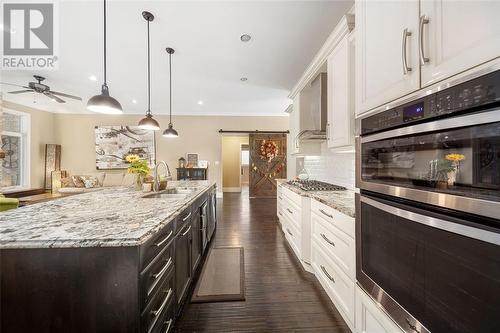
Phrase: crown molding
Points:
(345, 26)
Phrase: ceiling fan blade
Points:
(65, 95)
(54, 97)
(14, 85)
(20, 91)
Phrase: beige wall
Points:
(231, 150)
(42, 133)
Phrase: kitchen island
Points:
(113, 260)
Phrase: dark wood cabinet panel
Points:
(182, 262)
(196, 246)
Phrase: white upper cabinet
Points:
(340, 128)
(386, 51)
(457, 36)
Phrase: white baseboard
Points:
(231, 189)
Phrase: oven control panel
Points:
(467, 96)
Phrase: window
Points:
(14, 169)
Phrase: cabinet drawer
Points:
(151, 279)
(292, 196)
(156, 244)
(184, 219)
(292, 212)
(334, 217)
(161, 304)
(336, 244)
(293, 237)
(337, 285)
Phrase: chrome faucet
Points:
(156, 184)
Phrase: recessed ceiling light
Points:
(200, 102)
(134, 101)
(92, 78)
(245, 38)
(243, 79)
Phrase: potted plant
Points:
(139, 167)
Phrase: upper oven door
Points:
(452, 163)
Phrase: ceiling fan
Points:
(41, 88)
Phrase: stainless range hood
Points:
(313, 117)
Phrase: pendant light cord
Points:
(105, 81)
(149, 77)
(170, 71)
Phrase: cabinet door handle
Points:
(404, 57)
(328, 131)
(327, 274)
(327, 240)
(423, 58)
(280, 198)
(185, 232)
(288, 209)
(280, 213)
(162, 306)
(187, 216)
(164, 239)
(288, 230)
(169, 324)
(326, 214)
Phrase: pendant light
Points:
(149, 123)
(170, 132)
(104, 103)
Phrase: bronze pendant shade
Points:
(104, 103)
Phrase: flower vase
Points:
(138, 183)
(452, 175)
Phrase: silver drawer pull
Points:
(162, 306)
(163, 270)
(280, 198)
(187, 216)
(327, 274)
(327, 240)
(281, 214)
(288, 209)
(169, 324)
(185, 232)
(165, 239)
(325, 213)
(288, 230)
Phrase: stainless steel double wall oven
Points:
(428, 212)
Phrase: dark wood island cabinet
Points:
(105, 289)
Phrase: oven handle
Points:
(491, 116)
(476, 233)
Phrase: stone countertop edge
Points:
(342, 201)
(6, 244)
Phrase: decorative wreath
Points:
(268, 150)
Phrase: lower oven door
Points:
(431, 272)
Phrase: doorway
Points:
(235, 163)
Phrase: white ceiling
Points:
(209, 58)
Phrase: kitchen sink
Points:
(172, 193)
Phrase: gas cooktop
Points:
(315, 185)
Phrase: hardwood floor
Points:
(280, 295)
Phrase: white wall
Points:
(335, 168)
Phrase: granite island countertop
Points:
(343, 200)
(116, 216)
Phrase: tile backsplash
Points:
(330, 167)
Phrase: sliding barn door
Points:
(267, 162)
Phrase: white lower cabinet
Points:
(338, 286)
(370, 318)
(333, 257)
